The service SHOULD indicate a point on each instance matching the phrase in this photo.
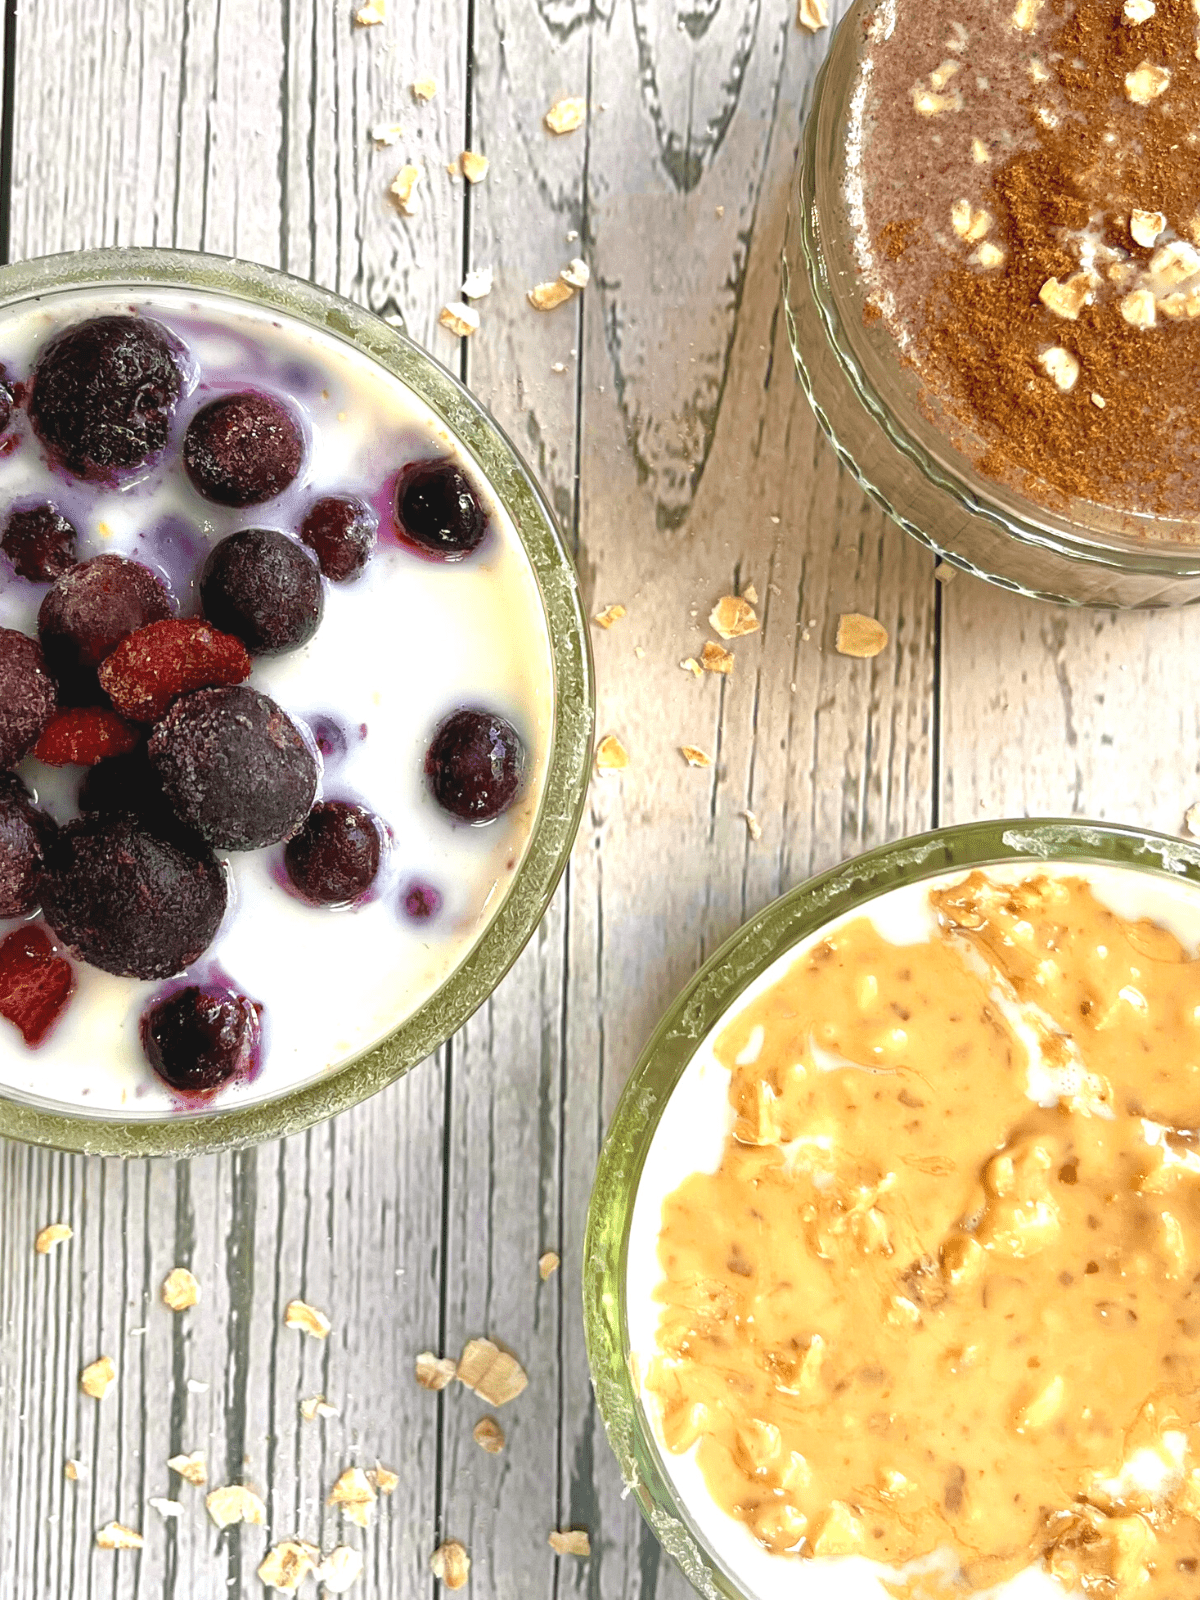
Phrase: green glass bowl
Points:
(702, 1005)
(568, 761)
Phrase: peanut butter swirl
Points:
(914, 1309)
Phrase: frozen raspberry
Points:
(40, 543)
(83, 735)
(103, 394)
(474, 765)
(24, 834)
(27, 696)
(421, 901)
(235, 766)
(243, 449)
(35, 982)
(265, 589)
(198, 1039)
(335, 856)
(341, 533)
(438, 510)
(160, 662)
(89, 611)
(128, 901)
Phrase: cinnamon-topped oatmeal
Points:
(1023, 186)
(911, 1279)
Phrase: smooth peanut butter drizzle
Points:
(915, 1310)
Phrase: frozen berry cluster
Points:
(183, 758)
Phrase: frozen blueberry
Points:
(197, 1039)
(24, 834)
(234, 766)
(438, 510)
(103, 393)
(243, 449)
(89, 611)
(27, 696)
(474, 765)
(341, 534)
(40, 543)
(335, 856)
(421, 901)
(329, 737)
(263, 588)
(128, 901)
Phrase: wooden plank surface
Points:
(684, 464)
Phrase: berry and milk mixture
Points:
(1023, 191)
(275, 701)
(911, 1287)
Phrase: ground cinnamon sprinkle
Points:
(1090, 150)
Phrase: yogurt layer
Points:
(397, 651)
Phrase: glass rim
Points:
(928, 448)
(568, 761)
(701, 1004)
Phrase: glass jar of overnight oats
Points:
(992, 279)
(348, 652)
(890, 1254)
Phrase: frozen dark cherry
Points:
(341, 534)
(235, 767)
(127, 900)
(130, 783)
(103, 393)
(334, 858)
(89, 611)
(243, 449)
(474, 765)
(27, 696)
(198, 1039)
(40, 543)
(263, 588)
(25, 832)
(438, 509)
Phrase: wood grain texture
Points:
(683, 464)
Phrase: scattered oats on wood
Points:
(450, 1564)
(180, 1289)
(164, 1507)
(558, 366)
(750, 592)
(98, 1377)
(496, 1376)
(488, 1435)
(54, 1233)
(753, 826)
(548, 1264)
(690, 664)
(71, 1470)
(372, 14)
(316, 1406)
(860, 636)
(340, 1570)
(192, 1468)
(715, 658)
(694, 756)
(813, 15)
(383, 1479)
(548, 296)
(564, 116)
(114, 1536)
(609, 615)
(570, 1542)
(435, 1372)
(453, 168)
(577, 273)
(285, 1566)
(195, 1386)
(474, 166)
(403, 189)
(477, 283)
(733, 616)
(354, 1494)
(424, 89)
(298, 1314)
(233, 1502)
(611, 756)
(1191, 819)
(944, 572)
(461, 319)
(386, 133)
